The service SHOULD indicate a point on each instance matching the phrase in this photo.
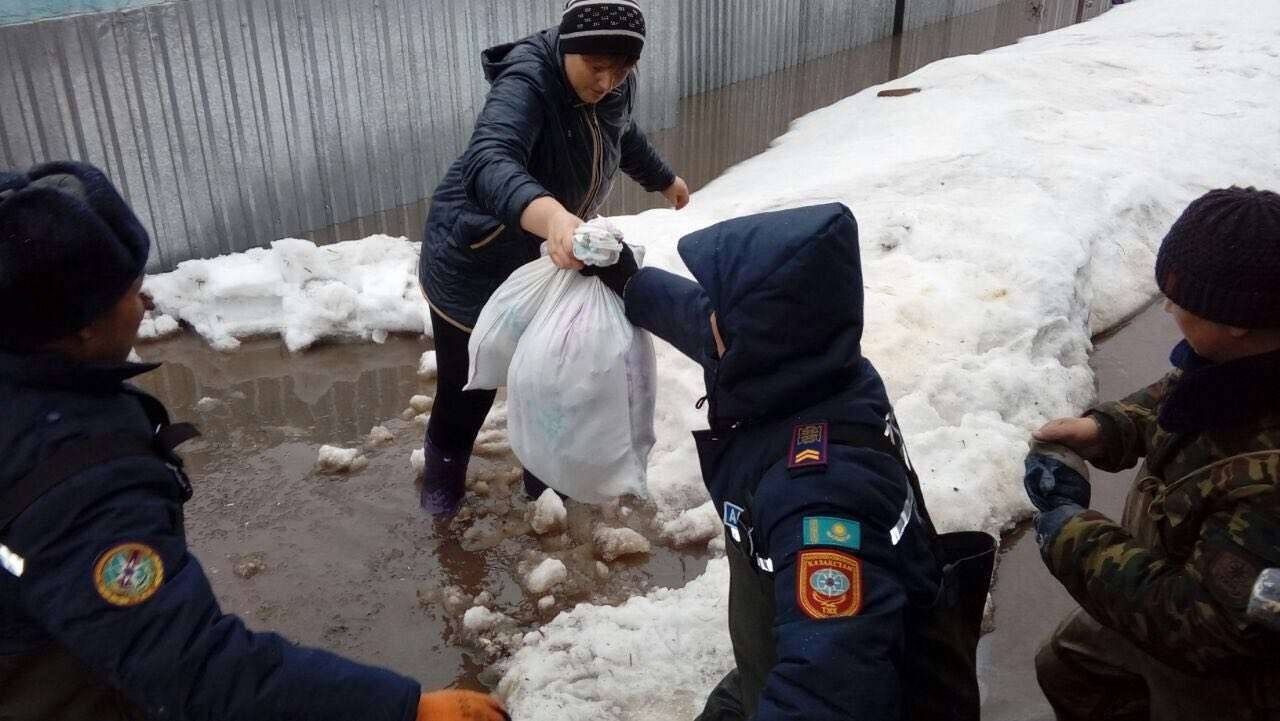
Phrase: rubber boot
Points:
(444, 480)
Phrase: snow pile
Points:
(418, 460)
(155, 326)
(614, 543)
(332, 459)
(653, 657)
(548, 513)
(1006, 211)
(547, 575)
(421, 404)
(298, 290)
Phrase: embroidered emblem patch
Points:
(828, 584)
(808, 446)
(733, 520)
(128, 574)
(831, 531)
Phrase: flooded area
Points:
(349, 562)
(1029, 603)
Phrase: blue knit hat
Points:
(70, 247)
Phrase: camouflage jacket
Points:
(1201, 521)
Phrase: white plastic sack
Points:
(504, 318)
(581, 394)
(508, 312)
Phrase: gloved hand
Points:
(1057, 482)
(615, 276)
(1056, 476)
(454, 705)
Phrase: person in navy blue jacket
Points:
(104, 612)
(832, 556)
(556, 127)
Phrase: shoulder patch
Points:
(128, 574)
(808, 446)
(832, 531)
(828, 584)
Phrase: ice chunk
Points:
(479, 619)
(547, 575)
(614, 543)
(340, 460)
(548, 513)
(421, 404)
(379, 435)
(427, 364)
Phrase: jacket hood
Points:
(786, 288)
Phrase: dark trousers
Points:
(458, 415)
(1091, 673)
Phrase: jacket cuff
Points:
(1112, 457)
(520, 199)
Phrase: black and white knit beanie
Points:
(602, 27)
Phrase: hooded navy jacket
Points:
(786, 288)
(533, 138)
(174, 654)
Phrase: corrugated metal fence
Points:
(230, 123)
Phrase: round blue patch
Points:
(829, 582)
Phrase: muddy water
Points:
(1029, 603)
(347, 561)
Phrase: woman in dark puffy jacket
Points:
(554, 130)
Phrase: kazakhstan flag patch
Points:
(831, 531)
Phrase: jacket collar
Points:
(53, 371)
(1217, 396)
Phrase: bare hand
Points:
(560, 240)
(1082, 435)
(452, 705)
(677, 193)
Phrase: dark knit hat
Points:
(1221, 260)
(602, 27)
(70, 247)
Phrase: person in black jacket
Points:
(104, 613)
(555, 129)
(835, 567)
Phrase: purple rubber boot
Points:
(444, 480)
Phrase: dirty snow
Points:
(547, 575)
(427, 364)
(614, 543)
(299, 291)
(418, 460)
(548, 513)
(379, 435)
(420, 403)
(653, 657)
(479, 619)
(332, 459)
(155, 326)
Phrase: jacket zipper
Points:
(488, 238)
(595, 162)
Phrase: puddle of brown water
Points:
(1029, 602)
(348, 561)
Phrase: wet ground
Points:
(1029, 603)
(347, 561)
